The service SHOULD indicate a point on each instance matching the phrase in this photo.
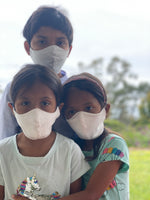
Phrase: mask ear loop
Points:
(12, 105)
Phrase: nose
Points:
(36, 105)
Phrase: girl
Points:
(38, 159)
(85, 109)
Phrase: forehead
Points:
(38, 89)
(49, 32)
(76, 96)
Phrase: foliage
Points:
(114, 125)
(139, 174)
(135, 135)
(145, 108)
(123, 95)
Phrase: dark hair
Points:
(89, 83)
(48, 16)
(31, 73)
(86, 82)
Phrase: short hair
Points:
(31, 73)
(50, 17)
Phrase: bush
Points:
(136, 135)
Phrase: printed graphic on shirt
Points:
(112, 185)
(112, 150)
(29, 185)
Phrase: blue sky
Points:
(101, 29)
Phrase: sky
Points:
(101, 29)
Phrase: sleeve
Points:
(116, 148)
(79, 165)
(8, 122)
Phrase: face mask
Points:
(51, 56)
(88, 125)
(37, 124)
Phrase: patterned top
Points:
(113, 147)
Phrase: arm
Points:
(1, 192)
(75, 186)
(99, 181)
(16, 197)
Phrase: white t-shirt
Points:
(61, 166)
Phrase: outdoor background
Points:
(111, 41)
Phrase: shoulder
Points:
(116, 140)
(7, 88)
(114, 147)
(63, 76)
(6, 93)
(68, 146)
(65, 141)
(5, 144)
(114, 144)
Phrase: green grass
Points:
(139, 174)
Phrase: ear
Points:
(107, 108)
(70, 48)
(27, 47)
(10, 106)
(61, 106)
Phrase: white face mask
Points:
(51, 56)
(88, 125)
(37, 124)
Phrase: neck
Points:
(88, 145)
(35, 148)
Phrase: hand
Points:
(17, 197)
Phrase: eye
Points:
(42, 43)
(69, 113)
(61, 43)
(89, 108)
(45, 103)
(25, 103)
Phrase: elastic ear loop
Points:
(13, 105)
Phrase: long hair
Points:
(89, 83)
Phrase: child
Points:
(49, 37)
(85, 109)
(38, 153)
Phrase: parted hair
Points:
(31, 73)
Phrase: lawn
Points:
(139, 174)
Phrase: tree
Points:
(119, 81)
(144, 108)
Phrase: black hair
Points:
(89, 83)
(51, 17)
(31, 73)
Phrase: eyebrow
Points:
(41, 36)
(46, 98)
(21, 97)
(62, 38)
(24, 97)
(45, 37)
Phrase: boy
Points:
(49, 36)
